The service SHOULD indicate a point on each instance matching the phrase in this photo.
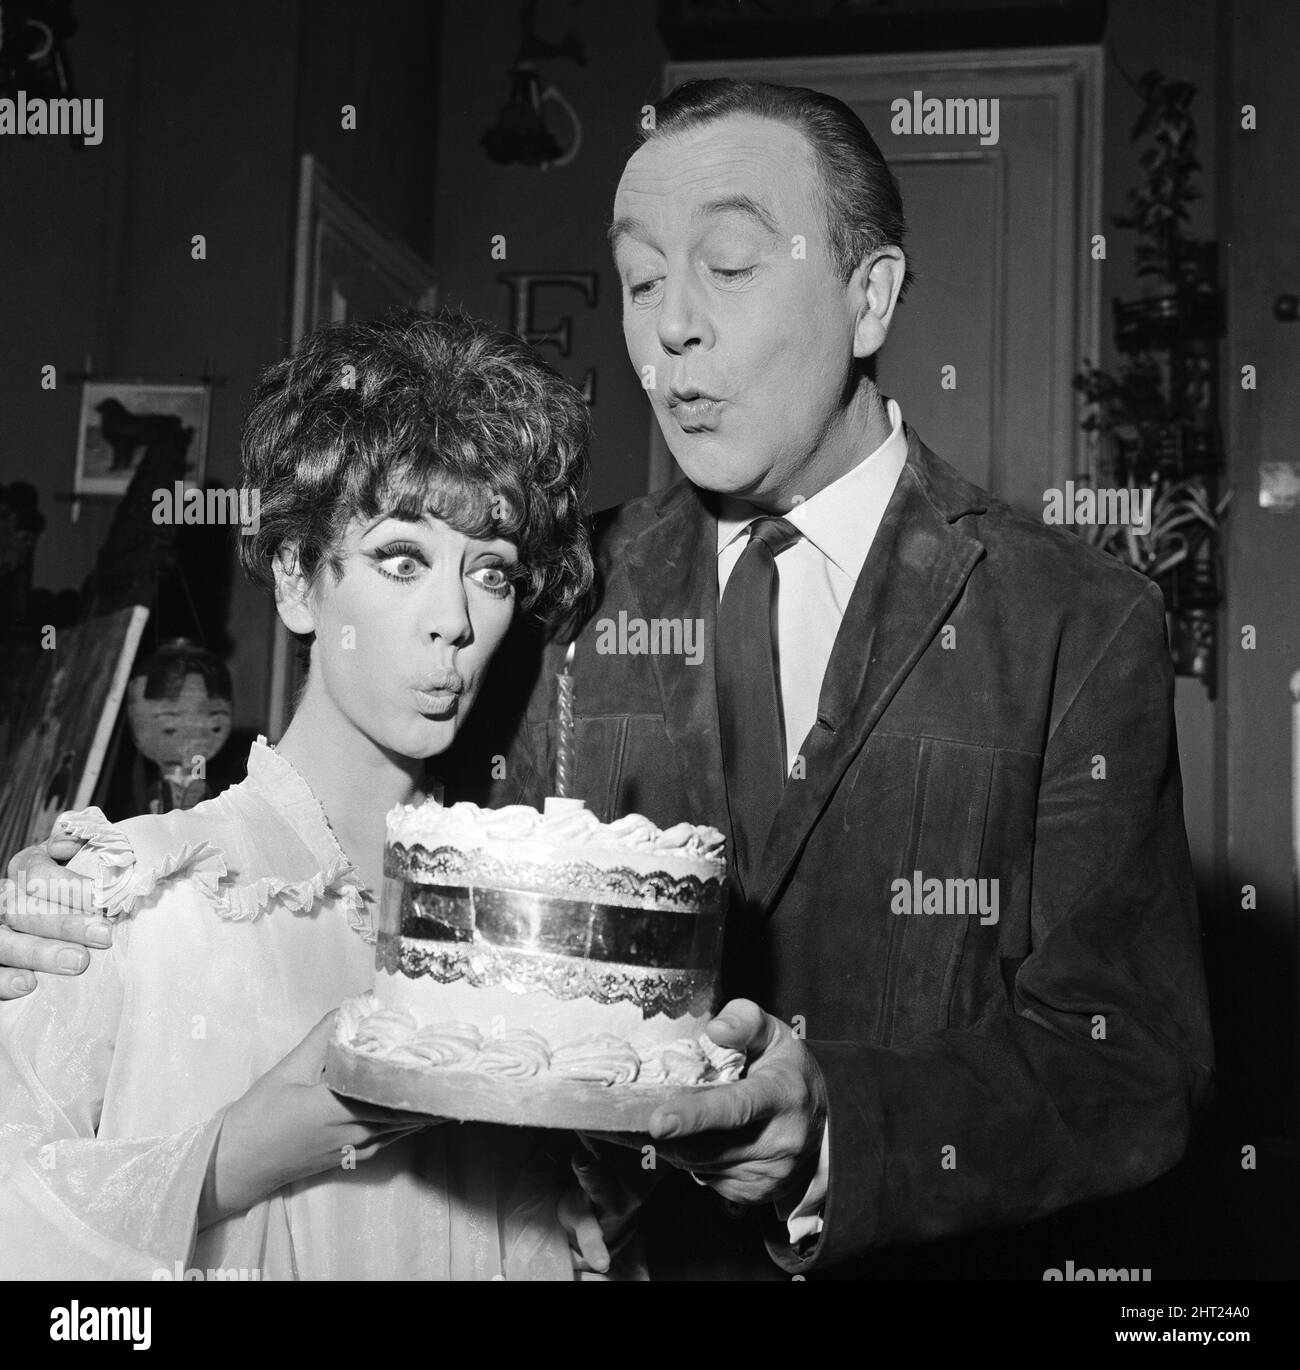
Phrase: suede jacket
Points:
(998, 708)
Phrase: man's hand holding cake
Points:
(758, 1140)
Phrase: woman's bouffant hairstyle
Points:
(860, 195)
(420, 413)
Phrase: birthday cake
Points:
(541, 968)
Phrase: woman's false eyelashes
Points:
(509, 573)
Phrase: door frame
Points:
(324, 207)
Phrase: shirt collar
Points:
(834, 519)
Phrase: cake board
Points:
(471, 1096)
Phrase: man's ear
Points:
(292, 597)
(877, 283)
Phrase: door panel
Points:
(951, 315)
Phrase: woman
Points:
(418, 479)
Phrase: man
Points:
(938, 735)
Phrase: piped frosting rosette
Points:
(517, 1054)
(446, 1044)
(600, 1059)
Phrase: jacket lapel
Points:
(672, 570)
(917, 566)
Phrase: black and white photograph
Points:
(650, 643)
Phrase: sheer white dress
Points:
(239, 924)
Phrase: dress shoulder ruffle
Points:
(243, 903)
(137, 856)
(126, 877)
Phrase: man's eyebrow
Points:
(737, 204)
(624, 227)
(627, 227)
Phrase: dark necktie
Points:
(749, 693)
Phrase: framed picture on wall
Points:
(347, 267)
(121, 418)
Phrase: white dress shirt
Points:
(815, 578)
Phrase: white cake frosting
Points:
(519, 943)
(684, 849)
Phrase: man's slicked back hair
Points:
(862, 203)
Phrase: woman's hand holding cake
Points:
(290, 1125)
(599, 1212)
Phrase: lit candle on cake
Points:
(564, 741)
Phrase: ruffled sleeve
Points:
(124, 879)
(72, 1205)
(132, 860)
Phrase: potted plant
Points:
(1155, 418)
(1179, 299)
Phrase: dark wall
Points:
(383, 58)
(552, 220)
(197, 128)
(206, 109)
(203, 128)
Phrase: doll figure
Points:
(179, 707)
